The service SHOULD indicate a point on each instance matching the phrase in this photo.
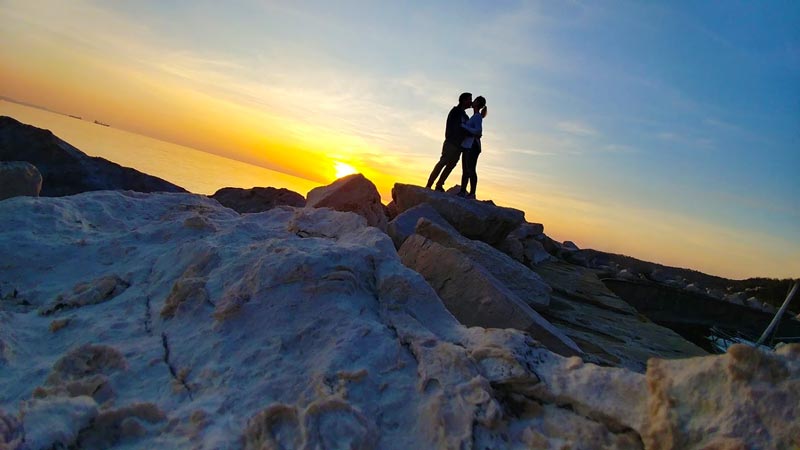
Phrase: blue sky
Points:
(605, 118)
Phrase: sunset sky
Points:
(669, 132)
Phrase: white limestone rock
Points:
(747, 398)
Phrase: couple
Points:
(462, 134)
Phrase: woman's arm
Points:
(473, 126)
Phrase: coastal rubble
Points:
(192, 326)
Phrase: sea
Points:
(194, 170)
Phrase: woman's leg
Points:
(473, 176)
(465, 175)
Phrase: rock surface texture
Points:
(191, 326)
(353, 193)
(474, 219)
(257, 199)
(65, 169)
(602, 324)
(19, 178)
(403, 225)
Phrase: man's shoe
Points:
(439, 189)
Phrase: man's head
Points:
(465, 100)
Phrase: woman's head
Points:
(480, 105)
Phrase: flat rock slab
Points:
(602, 324)
(524, 283)
(473, 219)
(404, 225)
(475, 296)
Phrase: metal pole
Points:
(778, 315)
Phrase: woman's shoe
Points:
(470, 196)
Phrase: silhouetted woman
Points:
(471, 147)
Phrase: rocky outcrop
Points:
(65, 169)
(746, 398)
(524, 244)
(353, 193)
(606, 328)
(403, 226)
(473, 219)
(525, 284)
(19, 178)
(312, 334)
(475, 297)
(257, 199)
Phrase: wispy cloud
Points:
(576, 128)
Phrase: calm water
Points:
(191, 169)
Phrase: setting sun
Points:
(343, 169)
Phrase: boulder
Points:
(353, 193)
(257, 199)
(522, 245)
(695, 288)
(551, 246)
(626, 274)
(474, 296)
(402, 226)
(473, 219)
(19, 178)
(569, 246)
(517, 278)
(739, 298)
(66, 170)
(391, 211)
(747, 398)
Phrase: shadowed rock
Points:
(404, 224)
(515, 277)
(19, 178)
(475, 296)
(257, 199)
(473, 219)
(605, 326)
(66, 170)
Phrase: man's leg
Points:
(435, 172)
(438, 167)
(451, 153)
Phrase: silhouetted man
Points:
(454, 134)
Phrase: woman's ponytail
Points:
(484, 111)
